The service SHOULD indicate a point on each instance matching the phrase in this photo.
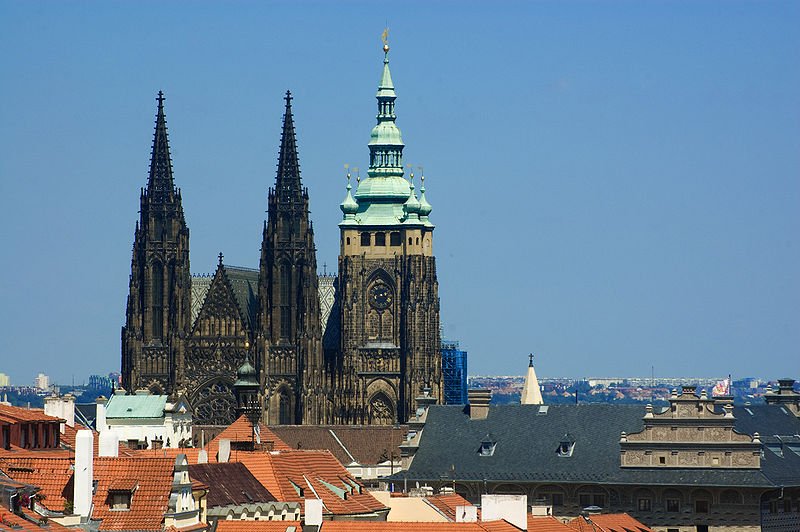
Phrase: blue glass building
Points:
(454, 372)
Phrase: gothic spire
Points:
(287, 182)
(160, 185)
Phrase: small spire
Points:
(160, 185)
(287, 182)
(531, 392)
(530, 360)
(220, 258)
(424, 207)
(349, 206)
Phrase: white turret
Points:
(531, 393)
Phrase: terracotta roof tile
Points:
(150, 499)
(19, 414)
(293, 476)
(546, 524)
(609, 523)
(52, 475)
(241, 431)
(447, 504)
(34, 522)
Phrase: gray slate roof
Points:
(527, 440)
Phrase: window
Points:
(158, 300)
(673, 505)
(701, 506)
(645, 505)
(348, 240)
(662, 460)
(120, 500)
(566, 445)
(487, 446)
(380, 239)
(410, 241)
(787, 505)
(585, 499)
(394, 239)
(285, 293)
(365, 239)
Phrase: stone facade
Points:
(352, 348)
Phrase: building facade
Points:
(353, 348)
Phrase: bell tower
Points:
(387, 287)
(157, 319)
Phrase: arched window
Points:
(158, 300)
(365, 239)
(410, 241)
(394, 238)
(348, 240)
(381, 409)
(284, 408)
(285, 302)
(418, 241)
(380, 239)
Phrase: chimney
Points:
(313, 512)
(109, 444)
(100, 414)
(84, 473)
(224, 452)
(466, 514)
(479, 399)
(61, 407)
(512, 508)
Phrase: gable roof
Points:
(296, 475)
(241, 431)
(136, 406)
(229, 483)
(243, 283)
(364, 444)
(527, 439)
(546, 524)
(447, 504)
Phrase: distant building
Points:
(41, 382)
(454, 373)
(4, 380)
(100, 383)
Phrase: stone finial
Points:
(623, 436)
(703, 394)
(648, 410)
(756, 437)
(674, 393)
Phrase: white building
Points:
(4, 380)
(41, 382)
(146, 421)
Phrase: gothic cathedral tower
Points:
(289, 329)
(387, 288)
(157, 318)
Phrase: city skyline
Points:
(613, 186)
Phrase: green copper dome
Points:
(246, 375)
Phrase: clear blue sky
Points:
(616, 185)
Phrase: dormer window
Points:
(566, 445)
(120, 494)
(487, 446)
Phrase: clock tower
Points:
(387, 289)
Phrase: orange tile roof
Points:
(148, 503)
(15, 523)
(242, 431)
(447, 504)
(287, 474)
(547, 524)
(52, 475)
(20, 414)
(366, 526)
(609, 523)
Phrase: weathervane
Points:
(385, 39)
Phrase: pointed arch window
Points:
(284, 408)
(158, 300)
(285, 301)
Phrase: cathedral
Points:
(352, 348)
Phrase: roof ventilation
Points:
(542, 410)
(566, 445)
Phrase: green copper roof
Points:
(385, 197)
(136, 406)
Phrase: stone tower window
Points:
(380, 239)
(286, 317)
(348, 240)
(394, 238)
(365, 239)
(158, 300)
